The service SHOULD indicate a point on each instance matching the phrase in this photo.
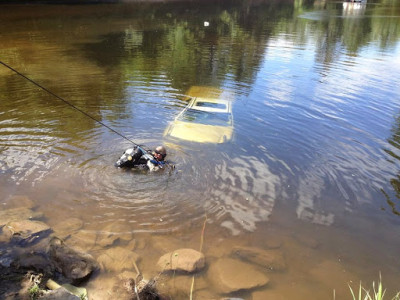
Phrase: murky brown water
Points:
(313, 169)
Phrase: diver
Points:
(141, 158)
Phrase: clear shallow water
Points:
(314, 159)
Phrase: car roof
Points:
(210, 105)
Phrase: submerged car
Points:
(204, 119)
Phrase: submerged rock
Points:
(117, 259)
(19, 201)
(273, 242)
(270, 259)
(267, 294)
(72, 264)
(186, 260)
(26, 231)
(307, 241)
(17, 214)
(127, 275)
(60, 294)
(131, 289)
(83, 240)
(113, 233)
(332, 274)
(180, 285)
(66, 227)
(229, 275)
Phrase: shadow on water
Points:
(393, 195)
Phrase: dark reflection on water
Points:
(316, 139)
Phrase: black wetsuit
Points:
(136, 158)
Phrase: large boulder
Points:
(74, 265)
(229, 275)
(33, 261)
(185, 260)
(271, 259)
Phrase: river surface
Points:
(313, 169)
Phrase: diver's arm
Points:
(137, 155)
(151, 166)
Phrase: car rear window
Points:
(208, 118)
(211, 105)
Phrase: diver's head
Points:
(160, 153)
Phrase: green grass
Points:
(34, 292)
(377, 293)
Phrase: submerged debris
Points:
(140, 289)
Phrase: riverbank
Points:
(39, 261)
(36, 264)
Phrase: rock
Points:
(267, 294)
(83, 240)
(122, 290)
(101, 287)
(223, 247)
(332, 274)
(229, 275)
(127, 275)
(107, 240)
(34, 261)
(273, 242)
(140, 244)
(60, 294)
(4, 238)
(17, 214)
(180, 285)
(205, 295)
(270, 259)
(64, 228)
(186, 260)
(18, 201)
(71, 263)
(26, 231)
(132, 245)
(117, 259)
(129, 288)
(6, 258)
(113, 233)
(307, 241)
